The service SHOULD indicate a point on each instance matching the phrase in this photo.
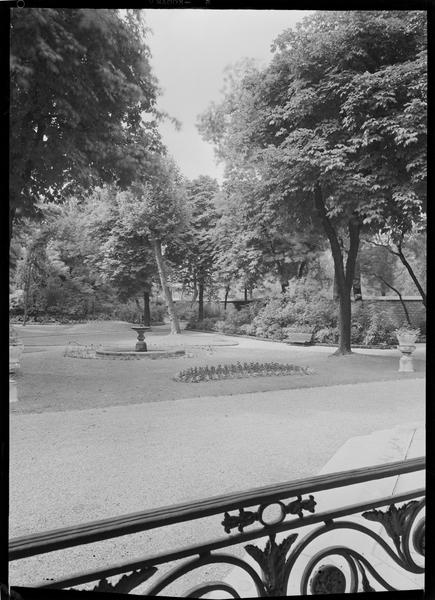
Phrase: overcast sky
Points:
(190, 50)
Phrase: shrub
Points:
(248, 329)
(327, 335)
(306, 307)
(186, 311)
(208, 324)
(371, 326)
(158, 310)
(381, 328)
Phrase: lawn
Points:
(50, 381)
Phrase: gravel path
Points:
(74, 466)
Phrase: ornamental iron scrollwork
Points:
(272, 561)
(395, 520)
(297, 506)
(398, 530)
(418, 539)
(329, 579)
(126, 583)
(242, 520)
(246, 518)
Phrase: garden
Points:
(307, 308)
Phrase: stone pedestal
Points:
(13, 393)
(406, 363)
(140, 344)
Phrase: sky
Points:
(190, 50)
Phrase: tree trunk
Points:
(27, 292)
(139, 309)
(246, 294)
(157, 247)
(302, 269)
(195, 291)
(227, 291)
(200, 300)
(283, 276)
(343, 275)
(335, 294)
(12, 212)
(146, 309)
(356, 283)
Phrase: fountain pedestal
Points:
(140, 344)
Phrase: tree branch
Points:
(398, 293)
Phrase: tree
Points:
(237, 261)
(198, 247)
(52, 273)
(299, 122)
(154, 212)
(81, 84)
(121, 255)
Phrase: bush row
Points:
(307, 308)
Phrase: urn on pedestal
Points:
(406, 338)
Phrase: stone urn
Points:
(406, 338)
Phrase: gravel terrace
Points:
(119, 436)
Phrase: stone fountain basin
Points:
(151, 353)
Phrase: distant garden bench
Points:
(299, 337)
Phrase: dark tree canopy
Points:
(81, 85)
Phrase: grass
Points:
(50, 381)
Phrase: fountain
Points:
(141, 349)
(140, 344)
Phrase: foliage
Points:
(327, 335)
(234, 319)
(185, 311)
(371, 326)
(409, 247)
(378, 267)
(51, 274)
(407, 331)
(206, 324)
(306, 307)
(335, 129)
(128, 311)
(239, 370)
(195, 255)
(81, 83)
(122, 256)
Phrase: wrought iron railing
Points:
(396, 523)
